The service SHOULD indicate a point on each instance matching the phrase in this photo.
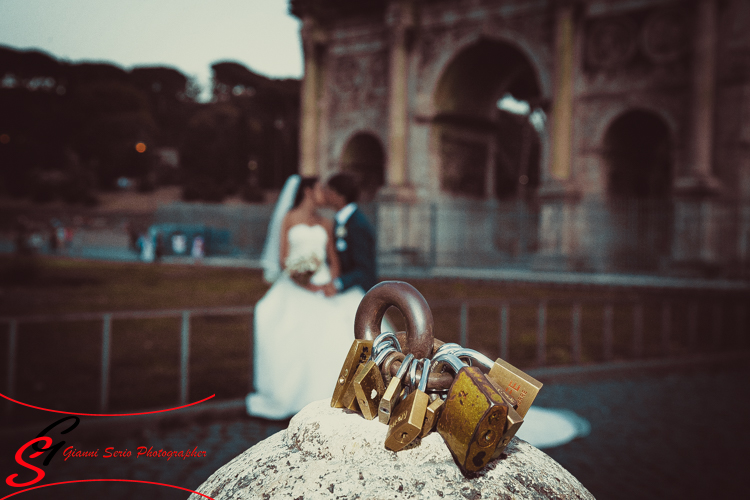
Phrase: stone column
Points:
(559, 212)
(562, 107)
(312, 43)
(401, 22)
(399, 222)
(700, 174)
(695, 218)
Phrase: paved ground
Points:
(677, 435)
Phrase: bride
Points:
(301, 335)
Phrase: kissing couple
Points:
(320, 270)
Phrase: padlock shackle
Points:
(425, 375)
(450, 359)
(377, 345)
(465, 352)
(411, 303)
(404, 366)
(384, 353)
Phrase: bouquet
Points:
(302, 268)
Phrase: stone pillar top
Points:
(336, 453)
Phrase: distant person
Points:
(302, 315)
(158, 247)
(132, 236)
(146, 248)
(355, 237)
(197, 251)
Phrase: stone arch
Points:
(437, 69)
(484, 151)
(637, 149)
(364, 156)
(638, 157)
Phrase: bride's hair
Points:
(305, 183)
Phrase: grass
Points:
(58, 364)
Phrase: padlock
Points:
(512, 424)
(343, 393)
(432, 414)
(514, 420)
(368, 384)
(520, 386)
(408, 417)
(392, 394)
(473, 419)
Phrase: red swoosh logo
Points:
(106, 415)
(103, 480)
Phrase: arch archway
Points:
(487, 149)
(637, 152)
(637, 155)
(364, 157)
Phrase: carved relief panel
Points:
(636, 44)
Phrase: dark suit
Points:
(357, 260)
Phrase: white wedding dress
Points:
(301, 337)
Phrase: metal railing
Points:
(106, 319)
(717, 311)
(503, 307)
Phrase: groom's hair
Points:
(345, 185)
(304, 183)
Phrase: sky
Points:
(188, 35)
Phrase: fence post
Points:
(252, 351)
(12, 346)
(106, 340)
(541, 334)
(464, 341)
(666, 327)
(607, 341)
(740, 326)
(504, 330)
(717, 325)
(433, 235)
(692, 325)
(184, 357)
(638, 330)
(575, 335)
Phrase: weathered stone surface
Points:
(334, 453)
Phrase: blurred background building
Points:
(578, 135)
(589, 135)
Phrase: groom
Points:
(355, 237)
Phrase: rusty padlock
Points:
(473, 419)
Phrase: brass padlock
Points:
(432, 414)
(392, 394)
(368, 384)
(408, 418)
(518, 384)
(343, 393)
(512, 424)
(473, 419)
